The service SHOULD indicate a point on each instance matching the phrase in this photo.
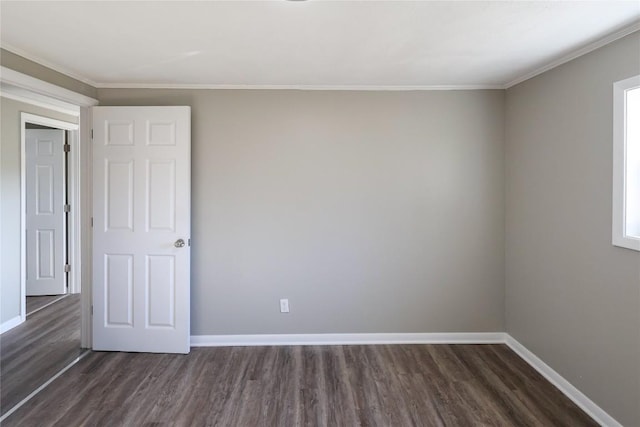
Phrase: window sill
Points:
(627, 242)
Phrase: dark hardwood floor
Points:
(33, 352)
(36, 303)
(386, 385)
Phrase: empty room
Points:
(320, 213)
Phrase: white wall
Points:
(572, 298)
(370, 211)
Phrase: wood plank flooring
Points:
(36, 303)
(386, 385)
(34, 351)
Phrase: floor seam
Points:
(48, 304)
(43, 386)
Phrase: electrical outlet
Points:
(284, 306)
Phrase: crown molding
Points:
(296, 87)
(16, 84)
(53, 66)
(23, 95)
(553, 64)
(576, 53)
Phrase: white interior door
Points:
(141, 228)
(45, 217)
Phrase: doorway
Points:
(48, 339)
(46, 216)
(49, 204)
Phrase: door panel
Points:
(45, 217)
(161, 191)
(161, 288)
(119, 195)
(118, 282)
(141, 207)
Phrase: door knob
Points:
(179, 243)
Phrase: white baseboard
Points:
(10, 324)
(347, 339)
(579, 398)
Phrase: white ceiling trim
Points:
(28, 97)
(569, 57)
(45, 63)
(296, 87)
(41, 90)
(577, 53)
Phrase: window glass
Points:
(632, 124)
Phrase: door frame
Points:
(33, 91)
(72, 243)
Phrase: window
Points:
(626, 163)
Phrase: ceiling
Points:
(314, 43)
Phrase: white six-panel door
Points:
(141, 228)
(45, 222)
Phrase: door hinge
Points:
(67, 268)
(91, 222)
(91, 133)
(67, 148)
(189, 242)
(67, 208)
(92, 310)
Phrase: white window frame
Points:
(620, 237)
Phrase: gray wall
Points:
(370, 211)
(10, 195)
(571, 297)
(25, 66)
